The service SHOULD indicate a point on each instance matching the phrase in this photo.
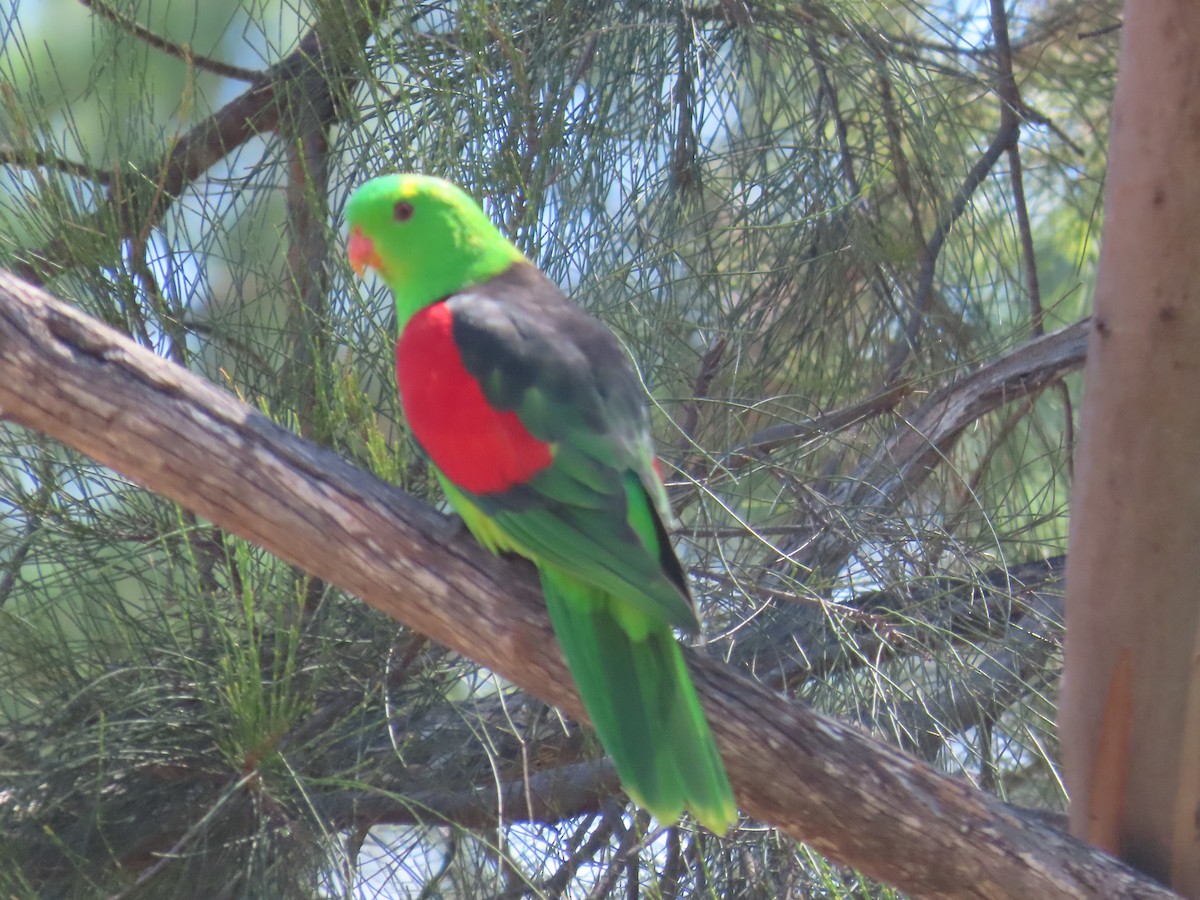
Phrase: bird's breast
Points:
(479, 448)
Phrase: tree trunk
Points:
(1130, 706)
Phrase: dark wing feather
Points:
(596, 511)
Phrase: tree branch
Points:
(922, 440)
(548, 797)
(944, 606)
(152, 187)
(179, 51)
(828, 784)
(30, 159)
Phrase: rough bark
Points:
(820, 781)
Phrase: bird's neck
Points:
(452, 276)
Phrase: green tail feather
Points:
(643, 705)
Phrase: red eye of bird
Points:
(403, 211)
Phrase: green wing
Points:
(597, 511)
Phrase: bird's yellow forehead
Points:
(412, 187)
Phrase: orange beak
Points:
(361, 252)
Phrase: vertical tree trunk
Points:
(1130, 706)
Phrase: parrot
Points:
(534, 421)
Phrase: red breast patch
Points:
(482, 450)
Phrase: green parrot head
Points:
(425, 237)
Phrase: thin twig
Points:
(1004, 141)
(760, 445)
(32, 513)
(628, 839)
(1021, 665)
(13, 156)
(1011, 109)
(1100, 32)
(672, 870)
(1004, 137)
(1068, 430)
(430, 888)
(188, 836)
(710, 363)
(142, 33)
(556, 885)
